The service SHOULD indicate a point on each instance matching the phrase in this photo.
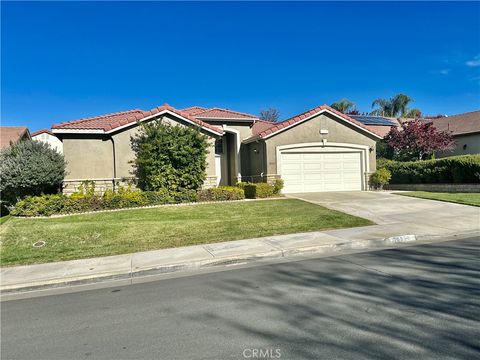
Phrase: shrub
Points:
(29, 168)
(83, 201)
(454, 169)
(380, 177)
(278, 186)
(241, 185)
(264, 190)
(261, 190)
(169, 157)
(250, 190)
(221, 193)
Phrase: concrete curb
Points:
(130, 272)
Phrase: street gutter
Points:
(130, 267)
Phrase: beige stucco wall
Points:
(339, 131)
(88, 157)
(91, 156)
(472, 142)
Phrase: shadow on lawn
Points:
(425, 304)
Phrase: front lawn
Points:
(460, 198)
(90, 235)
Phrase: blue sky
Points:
(66, 60)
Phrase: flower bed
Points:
(47, 205)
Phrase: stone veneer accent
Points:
(71, 186)
(467, 188)
(210, 181)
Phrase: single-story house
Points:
(318, 150)
(465, 129)
(48, 137)
(11, 134)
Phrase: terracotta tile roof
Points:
(194, 110)
(219, 113)
(11, 134)
(260, 126)
(109, 122)
(467, 123)
(38, 132)
(298, 118)
(381, 130)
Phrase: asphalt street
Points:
(419, 302)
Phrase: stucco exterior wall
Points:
(244, 128)
(472, 143)
(88, 157)
(91, 157)
(124, 155)
(339, 131)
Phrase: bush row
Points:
(261, 190)
(454, 169)
(85, 201)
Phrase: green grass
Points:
(102, 234)
(460, 198)
(3, 219)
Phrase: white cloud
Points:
(445, 71)
(474, 62)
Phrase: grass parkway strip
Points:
(472, 199)
(103, 234)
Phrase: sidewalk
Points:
(129, 266)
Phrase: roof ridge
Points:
(468, 112)
(126, 112)
(231, 111)
(41, 131)
(311, 112)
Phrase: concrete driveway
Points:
(400, 214)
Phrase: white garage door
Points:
(311, 172)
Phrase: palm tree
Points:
(413, 113)
(400, 102)
(393, 107)
(384, 107)
(343, 105)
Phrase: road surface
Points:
(419, 302)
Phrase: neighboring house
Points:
(11, 134)
(48, 137)
(465, 129)
(319, 150)
(378, 124)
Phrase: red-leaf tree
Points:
(418, 140)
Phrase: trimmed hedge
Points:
(85, 201)
(261, 190)
(462, 169)
(221, 193)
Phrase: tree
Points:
(396, 106)
(413, 113)
(170, 157)
(270, 114)
(29, 168)
(418, 140)
(343, 106)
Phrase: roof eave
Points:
(58, 130)
(321, 111)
